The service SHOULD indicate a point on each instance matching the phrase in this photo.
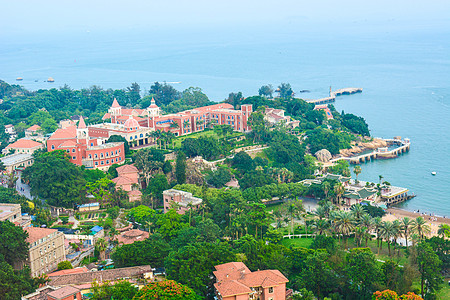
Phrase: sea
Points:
(404, 73)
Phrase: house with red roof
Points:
(83, 149)
(326, 109)
(46, 250)
(234, 281)
(23, 146)
(181, 123)
(128, 180)
(33, 131)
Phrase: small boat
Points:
(433, 173)
(19, 78)
(50, 79)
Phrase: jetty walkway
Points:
(333, 95)
(380, 153)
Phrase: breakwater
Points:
(380, 153)
(333, 95)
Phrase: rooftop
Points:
(13, 159)
(106, 146)
(127, 169)
(186, 197)
(36, 233)
(6, 209)
(131, 236)
(63, 292)
(100, 276)
(25, 143)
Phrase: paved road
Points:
(23, 189)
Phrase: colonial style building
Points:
(234, 281)
(46, 250)
(17, 161)
(83, 149)
(181, 123)
(13, 213)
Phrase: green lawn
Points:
(444, 292)
(297, 242)
(177, 142)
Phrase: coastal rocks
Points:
(323, 155)
(361, 147)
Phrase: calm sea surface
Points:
(405, 76)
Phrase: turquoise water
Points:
(405, 76)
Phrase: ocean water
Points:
(405, 76)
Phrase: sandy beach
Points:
(434, 222)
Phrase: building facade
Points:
(23, 146)
(181, 123)
(234, 281)
(17, 161)
(46, 250)
(86, 150)
(180, 201)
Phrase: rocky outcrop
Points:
(361, 147)
(323, 155)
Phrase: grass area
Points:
(177, 142)
(298, 242)
(444, 292)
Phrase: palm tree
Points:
(406, 224)
(386, 232)
(339, 190)
(344, 223)
(320, 226)
(174, 125)
(199, 123)
(367, 222)
(357, 171)
(443, 230)
(321, 212)
(101, 246)
(357, 211)
(326, 188)
(360, 233)
(377, 223)
(420, 227)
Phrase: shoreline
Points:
(398, 212)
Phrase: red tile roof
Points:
(127, 169)
(115, 103)
(63, 292)
(68, 133)
(24, 143)
(122, 180)
(68, 143)
(106, 116)
(36, 233)
(69, 271)
(101, 276)
(131, 236)
(235, 278)
(34, 128)
(81, 124)
(135, 193)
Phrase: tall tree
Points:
(166, 290)
(180, 167)
(13, 246)
(429, 266)
(285, 91)
(266, 91)
(54, 178)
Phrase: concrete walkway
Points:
(23, 189)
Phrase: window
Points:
(120, 158)
(116, 159)
(107, 154)
(107, 161)
(90, 155)
(74, 157)
(53, 147)
(101, 155)
(116, 152)
(95, 155)
(96, 163)
(73, 150)
(271, 290)
(112, 153)
(92, 144)
(119, 150)
(102, 162)
(68, 151)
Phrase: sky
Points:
(58, 16)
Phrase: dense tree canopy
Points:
(53, 178)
